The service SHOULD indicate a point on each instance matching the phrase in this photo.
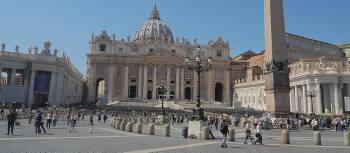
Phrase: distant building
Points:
(36, 79)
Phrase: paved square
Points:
(107, 139)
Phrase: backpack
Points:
(223, 129)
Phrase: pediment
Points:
(162, 53)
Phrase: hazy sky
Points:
(68, 24)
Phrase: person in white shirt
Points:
(48, 120)
(248, 133)
(258, 134)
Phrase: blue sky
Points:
(68, 24)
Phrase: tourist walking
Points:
(72, 122)
(48, 120)
(248, 133)
(224, 131)
(11, 119)
(211, 128)
(104, 118)
(91, 123)
(258, 134)
(54, 119)
(98, 117)
(39, 123)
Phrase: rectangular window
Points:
(218, 53)
(19, 77)
(103, 47)
(150, 71)
(5, 76)
(188, 73)
(134, 71)
(162, 72)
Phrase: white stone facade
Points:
(36, 79)
(316, 67)
(131, 69)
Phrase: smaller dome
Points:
(154, 30)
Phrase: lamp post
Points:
(311, 94)
(163, 88)
(199, 67)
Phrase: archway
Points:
(149, 94)
(132, 91)
(188, 93)
(218, 92)
(99, 88)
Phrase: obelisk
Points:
(276, 65)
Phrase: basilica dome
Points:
(154, 30)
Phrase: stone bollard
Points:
(123, 125)
(204, 133)
(231, 134)
(166, 130)
(346, 138)
(111, 122)
(285, 137)
(317, 138)
(138, 128)
(117, 125)
(151, 129)
(129, 126)
(140, 120)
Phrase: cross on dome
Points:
(154, 13)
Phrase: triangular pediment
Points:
(162, 53)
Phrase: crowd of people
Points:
(252, 124)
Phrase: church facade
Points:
(125, 70)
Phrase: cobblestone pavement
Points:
(107, 139)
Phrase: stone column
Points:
(296, 98)
(227, 87)
(139, 86)
(13, 77)
(111, 75)
(328, 98)
(126, 81)
(177, 86)
(31, 88)
(348, 90)
(318, 101)
(304, 99)
(145, 80)
(168, 81)
(337, 99)
(91, 84)
(292, 99)
(59, 88)
(182, 86)
(52, 89)
(195, 85)
(310, 102)
(155, 75)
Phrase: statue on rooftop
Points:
(17, 48)
(3, 47)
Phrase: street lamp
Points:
(311, 94)
(163, 88)
(199, 67)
